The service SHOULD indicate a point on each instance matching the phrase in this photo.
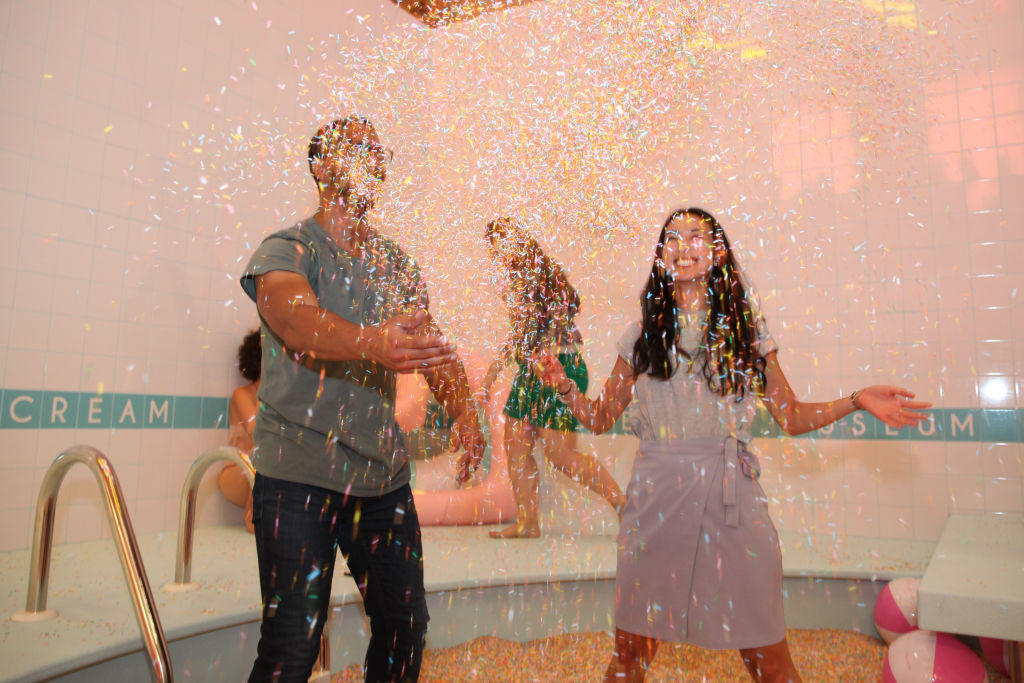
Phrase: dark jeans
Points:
(298, 531)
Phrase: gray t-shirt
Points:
(332, 423)
(682, 407)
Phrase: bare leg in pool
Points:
(771, 663)
(632, 657)
(522, 472)
(562, 450)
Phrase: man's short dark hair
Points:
(316, 143)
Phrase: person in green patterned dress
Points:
(542, 306)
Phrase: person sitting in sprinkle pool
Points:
(241, 421)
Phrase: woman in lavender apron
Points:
(698, 555)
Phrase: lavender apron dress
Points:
(698, 555)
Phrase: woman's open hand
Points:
(889, 405)
(549, 369)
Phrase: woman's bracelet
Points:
(853, 398)
(568, 391)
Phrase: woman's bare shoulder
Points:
(245, 394)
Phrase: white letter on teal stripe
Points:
(155, 412)
(58, 412)
(967, 423)
(95, 406)
(20, 399)
(858, 425)
(931, 424)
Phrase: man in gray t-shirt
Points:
(342, 311)
(331, 423)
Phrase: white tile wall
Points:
(881, 233)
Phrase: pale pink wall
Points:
(867, 159)
(120, 151)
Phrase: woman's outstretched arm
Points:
(597, 416)
(888, 404)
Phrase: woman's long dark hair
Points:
(731, 363)
(548, 292)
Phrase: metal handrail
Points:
(187, 524)
(323, 658)
(187, 512)
(124, 538)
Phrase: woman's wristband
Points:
(568, 391)
(853, 399)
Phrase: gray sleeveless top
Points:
(682, 407)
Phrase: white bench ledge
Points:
(96, 621)
(974, 584)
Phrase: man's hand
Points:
(399, 344)
(466, 433)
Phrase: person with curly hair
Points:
(242, 411)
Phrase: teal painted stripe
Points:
(943, 424)
(33, 409)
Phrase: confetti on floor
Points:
(821, 656)
(583, 657)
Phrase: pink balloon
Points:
(896, 608)
(929, 657)
(997, 652)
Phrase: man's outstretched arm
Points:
(287, 304)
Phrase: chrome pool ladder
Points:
(187, 509)
(124, 539)
(187, 527)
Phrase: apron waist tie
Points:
(736, 460)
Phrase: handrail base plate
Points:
(29, 617)
(180, 587)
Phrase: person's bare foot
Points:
(517, 531)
